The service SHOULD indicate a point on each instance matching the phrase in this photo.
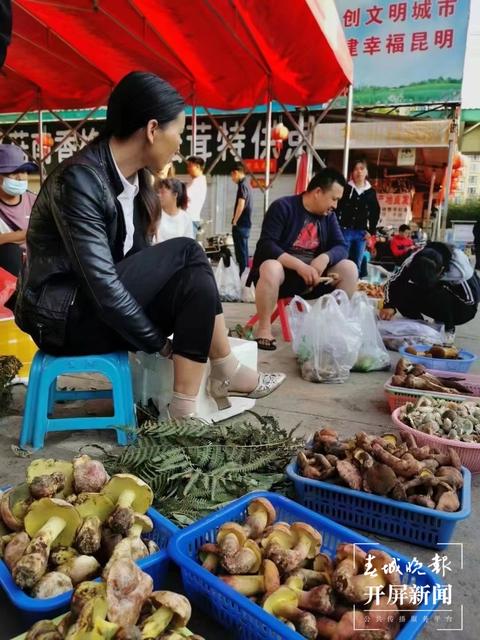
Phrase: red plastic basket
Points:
(468, 453)
(398, 396)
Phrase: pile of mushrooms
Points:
(280, 567)
(439, 351)
(444, 418)
(389, 465)
(415, 376)
(62, 525)
(123, 607)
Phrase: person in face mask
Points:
(16, 204)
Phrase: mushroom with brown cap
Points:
(127, 589)
(47, 486)
(230, 538)
(250, 585)
(247, 559)
(94, 509)
(172, 610)
(89, 476)
(15, 549)
(320, 599)
(209, 555)
(14, 504)
(48, 467)
(307, 544)
(261, 514)
(284, 603)
(49, 521)
(130, 495)
(350, 474)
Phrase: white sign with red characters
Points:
(406, 52)
(395, 209)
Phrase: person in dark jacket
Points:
(93, 284)
(300, 243)
(358, 212)
(438, 282)
(476, 244)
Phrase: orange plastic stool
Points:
(280, 313)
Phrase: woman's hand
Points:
(386, 313)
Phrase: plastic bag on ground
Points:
(297, 311)
(227, 277)
(403, 332)
(248, 293)
(328, 340)
(373, 355)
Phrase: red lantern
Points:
(279, 134)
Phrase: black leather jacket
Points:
(74, 239)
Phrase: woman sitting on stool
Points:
(438, 282)
(91, 282)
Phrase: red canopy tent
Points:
(226, 54)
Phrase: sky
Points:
(471, 84)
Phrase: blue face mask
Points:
(14, 187)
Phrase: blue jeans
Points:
(240, 241)
(356, 244)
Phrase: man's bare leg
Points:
(347, 276)
(266, 295)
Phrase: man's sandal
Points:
(267, 344)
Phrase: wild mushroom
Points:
(307, 544)
(448, 501)
(92, 623)
(80, 568)
(47, 467)
(380, 478)
(284, 603)
(267, 582)
(43, 630)
(60, 555)
(247, 559)
(171, 610)
(209, 556)
(130, 495)
(14, 504)
(94, 509)
(261, 514)
(350, 474)
(84, 593)
(320, 599)
(407, 466)
(52, 584)
(47, 486)
(48, 521)
(230, 538)
(15, 549)
(450, 475)
(127, 589)
(89, 476)
(141, 524)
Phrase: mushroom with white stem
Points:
(94, 509)
(81, 568)
(130, 495)
(52, 584)
(172, 610)
(50, 466)
(141, 524)
(49, 521)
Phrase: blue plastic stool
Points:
(42, 393)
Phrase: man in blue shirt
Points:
(242, 216)
(301, 242)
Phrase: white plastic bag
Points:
(328, 340)
(402, 332)
(297, 311)
(373, 355)
(248, 293)
(228, 281)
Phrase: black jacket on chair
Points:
(75, 237)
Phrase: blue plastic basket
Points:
(235, 611)
(384, 516)
(442, 364)
(34, 609)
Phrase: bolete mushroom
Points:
(171, 610)
(47, 486)
(52, 584)
(14, 504)
(266, 582)
(127, 589)
(350, 474)
(60, 555)
(209, 555)
(43, 630)
(130, 495)
(284, 603)
(230, 538)
(307, 544)
(89, 476)
(15, 549)
(141, 524)
(261, 514)
(94, 509)
(247, 559)
(320, 599)
(48, 467)
(80, 568)
(49, 521)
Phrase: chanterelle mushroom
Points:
(49, 521)
(94, 508)
(130, 495)
(171, 610)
